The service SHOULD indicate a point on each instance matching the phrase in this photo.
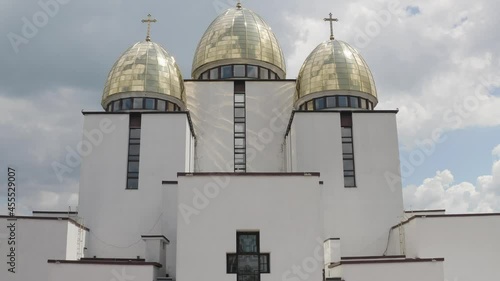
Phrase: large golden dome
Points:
(239, 36)
(335, 68)
(145, 70)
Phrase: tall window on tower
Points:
(248, 262)
(347, 149)
(240, 139)
(134, 149)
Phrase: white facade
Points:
(35, 241)
(211, 109)
(293, 195)
(231, 203)
(269, 107)
(268, 110)
(99, 272)
(109, 209)
(360, 216)
(394, 271)
(278, 197)
(467, 242)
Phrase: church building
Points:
(240, 174)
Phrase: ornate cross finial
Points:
(238, 5)
(149, 21)
(331, 20)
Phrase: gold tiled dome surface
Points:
(335, 65)
(239, 33)
(145, 67)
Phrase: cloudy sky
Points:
(438, 62)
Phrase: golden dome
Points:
(239, 36)
(145, 70)
(335, 66)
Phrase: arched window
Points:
(127, 104)
(328, 102)
(239, 71)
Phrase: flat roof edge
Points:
(304, 174)
(246, 80)
(106, 262)
(55, 212)
(446, 216)
(344, 262)
(292, 116)
(70, 220)
(425, 211)
(94, 112)
(395, 111)
(187, 113)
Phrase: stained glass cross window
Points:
(248, 262)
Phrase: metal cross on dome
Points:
(149, 21)
(331, 20)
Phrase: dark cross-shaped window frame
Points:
(248, 262)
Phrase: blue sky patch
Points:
(466, 153)
(496, 92)
(413, 10)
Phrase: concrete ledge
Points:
(290, 122)
(305, 174)
(374, 257)
(446, 216)
(156, 237)
(107, 262)
(45, 218)
(384, 261)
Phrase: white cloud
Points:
(441, 192)
(47, 200)
(496, 151)
(429, 65)
(39, 197)
(35, 132)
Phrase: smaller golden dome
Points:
(145, 70)
(239, 36)
(335, 67)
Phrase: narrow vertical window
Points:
(134, 149)
(227, 71)
(214, 74)
(252, 71)
(239, 71)
(240, 151)
(347, 149)
(264, 73)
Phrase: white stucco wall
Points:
(96, 272)
(269, 106)
(37, 240)
(118, 217)
(283, 208)
(469, 244)
(395, 246)
(418, 271)
(291, 143)
(73, 248)
(361, 216)
(211, 108)
(268, 109)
